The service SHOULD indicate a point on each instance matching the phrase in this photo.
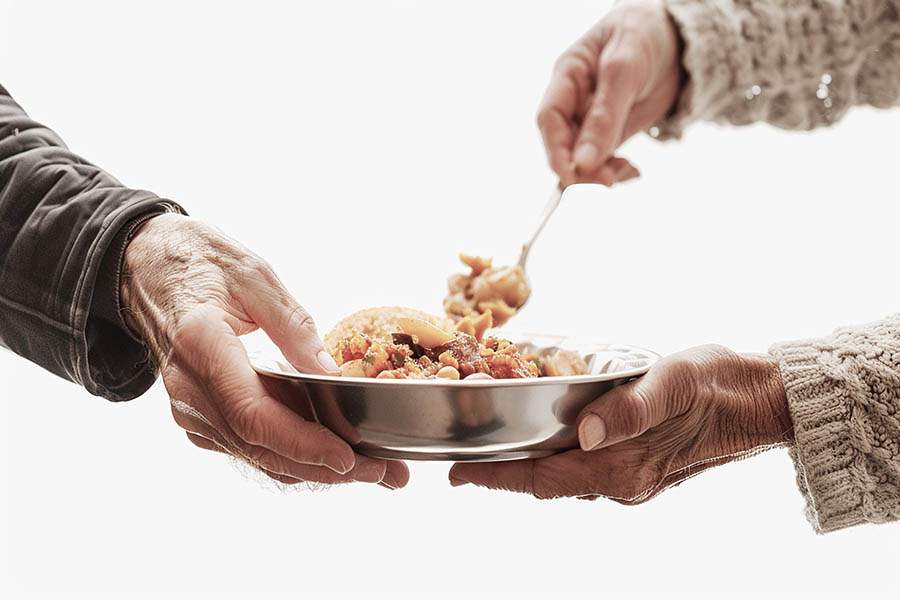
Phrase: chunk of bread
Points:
(379, 323)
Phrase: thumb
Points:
(623, 413)
(603, 125)
(288, 325)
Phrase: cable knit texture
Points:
(844, 398)
(796, 64)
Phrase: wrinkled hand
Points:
(693, 410)
(620, 78)
(189, 292)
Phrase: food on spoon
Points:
(502, 291)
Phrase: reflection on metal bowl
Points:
(467, 420)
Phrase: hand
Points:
(189, 292)
(693, 410)
(621, 77)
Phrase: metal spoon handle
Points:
(549, 209)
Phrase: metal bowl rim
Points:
(260, 363)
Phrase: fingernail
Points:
(385, 484)
(586, 156)
(591, 432)
(457, 482)
(326, 361)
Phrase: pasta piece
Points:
(427, 334)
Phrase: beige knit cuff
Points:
(823, 455)
(708, 38)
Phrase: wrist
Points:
(143, 279)
(767, 400)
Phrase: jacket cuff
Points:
(823, 455)
(117, 365)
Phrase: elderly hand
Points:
(621, 77)
(190, 292)
(693, 410)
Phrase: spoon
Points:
(549, 209)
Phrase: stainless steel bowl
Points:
(467, 420)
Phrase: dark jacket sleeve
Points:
(64, 224)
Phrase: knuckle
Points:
(256, 264)
(188, 330)
(544, 118)
(259, 268)
(636, 413)
(599, 119)
(576, 61)
(299, 319)
(618, 64)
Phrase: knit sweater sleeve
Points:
(844, 397)
(796, 64)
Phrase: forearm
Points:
(796, 65)
(843, 393)
(63, 225)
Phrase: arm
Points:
(80, 252)
(795, 65)
(844, 397)
(835, 402)
(63, 228)
(667, 63)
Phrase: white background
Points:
(324, 136)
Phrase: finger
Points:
(627, 173)
(206, 429)
(555, 123)
(570, 474)
(396, 476)
(202, 442)
(613, 171)
(218, 359)
(623, 413)
(623, 170)
(512, 476)
(601, 131)
(281, 478)
(366, 470)
(286, 471)
(209, 444)
(560, 108)
(286, 322)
